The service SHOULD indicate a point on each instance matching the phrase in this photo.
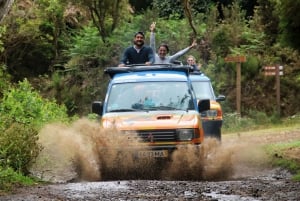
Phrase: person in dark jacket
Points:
(138, 53)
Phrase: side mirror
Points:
(97, 107)
(220, 98)
(203, 105)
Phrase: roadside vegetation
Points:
(23, 112)
(282, 154)
(53, 52)
(286, 155)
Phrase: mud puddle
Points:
(84, 152)
(236, 169)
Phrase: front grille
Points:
(157, 135)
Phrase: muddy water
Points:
(84, 152)
(236, 169)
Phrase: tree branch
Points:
(188, 14)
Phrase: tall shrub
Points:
(22, 113)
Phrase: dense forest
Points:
(62, 47)
(53, 53)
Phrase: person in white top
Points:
(162, 57)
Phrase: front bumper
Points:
(212, 128)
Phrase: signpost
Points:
(238, 59)
(275, 71)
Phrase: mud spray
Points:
(85, 152)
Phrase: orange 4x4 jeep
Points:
(212, 119)
(157, 103)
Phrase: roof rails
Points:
(196, 73)
(139, 68)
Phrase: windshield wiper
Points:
(162, 107)
(124, 110)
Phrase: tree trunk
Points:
(5, 6)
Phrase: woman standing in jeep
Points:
(161, 56)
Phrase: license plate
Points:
(153, 154)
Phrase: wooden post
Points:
(238, 88)
(278, 88)
(276, 71)
(238, 59)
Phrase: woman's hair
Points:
(164, 45)
(191, 56)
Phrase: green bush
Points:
(4, 79)
(24, 105)
(10, 178)
(22, 113)
(18, 147)
(281, 158)
(259, 118)
(234, 122)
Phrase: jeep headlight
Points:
(185, 134)
(209, 113)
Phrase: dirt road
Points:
(237, 169)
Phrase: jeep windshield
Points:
(137, 96)
(203, 90)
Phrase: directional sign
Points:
(275, 71)
(237, 58)
(271, 70)
(272, 73)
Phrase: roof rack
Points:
(139, 68)
(196, 73)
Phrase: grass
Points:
(10, 179)
(283, 155)
(232, 122)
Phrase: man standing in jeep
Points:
(138, 53)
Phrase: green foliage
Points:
(4, 76)
(222, 42)
(51, 26)
(22, 113)
(269, 19)
(233, 122)
(87, 45)
(34, 37)
(169, 8)
(259, 118)
(4, 79)
(173, 9)
(251, 67)
(106, 15)
(75, 89)
(24, 105)
(18, 146)
(2, 31)
(279, 153)
(291, 120)
(253, 120)
(9, 178)
(256, 120)
(289, 24)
